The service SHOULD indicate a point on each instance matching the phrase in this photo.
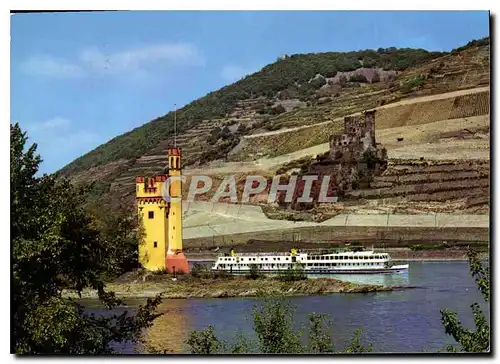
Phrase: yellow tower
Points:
(175, 259)
(153, 212)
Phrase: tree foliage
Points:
(478, 340)
(55, 247)
(473, 43)
(273, 327)
(415, 82)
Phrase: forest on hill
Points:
(293, 75)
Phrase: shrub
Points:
(415, 82)
(204, 341)
(221, 274)
(278, 109)
(358, 78)
(254, 272)
(297, 273)
(317, 82)
(241, 129)
(472, 341)
(200, 271)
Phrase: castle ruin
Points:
(357, 138)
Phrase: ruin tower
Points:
(152, 211)
(175, 261)
(370, 125)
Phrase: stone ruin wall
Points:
(346, 163)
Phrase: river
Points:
(402, 321)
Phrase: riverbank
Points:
(191, 287)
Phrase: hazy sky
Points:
(80, 79)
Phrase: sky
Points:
(81, 79)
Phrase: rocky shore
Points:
(191, 287)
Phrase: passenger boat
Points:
(347, 262)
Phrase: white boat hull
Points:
(397, 269)
(359, 262)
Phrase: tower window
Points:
(173, 227)
(151, 214)
(155, 244)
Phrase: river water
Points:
(403, 321)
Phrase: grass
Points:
(233, 286)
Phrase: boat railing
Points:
(257, 254)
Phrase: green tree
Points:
(55, 247)
(296, 273)
(254, 272)
(273, 326)
(119, 230)
(473, 341)
(204, 342)
(320, 337)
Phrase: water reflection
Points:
(389, 280)
(170, 330)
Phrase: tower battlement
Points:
(150, 186)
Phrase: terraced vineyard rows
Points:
(413, 181)
(474, 104)
(156, 160)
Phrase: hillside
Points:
(296, 91)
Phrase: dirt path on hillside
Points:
(425, 140)
(399, 103)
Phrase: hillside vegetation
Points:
(294, 91)
(291, 74)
